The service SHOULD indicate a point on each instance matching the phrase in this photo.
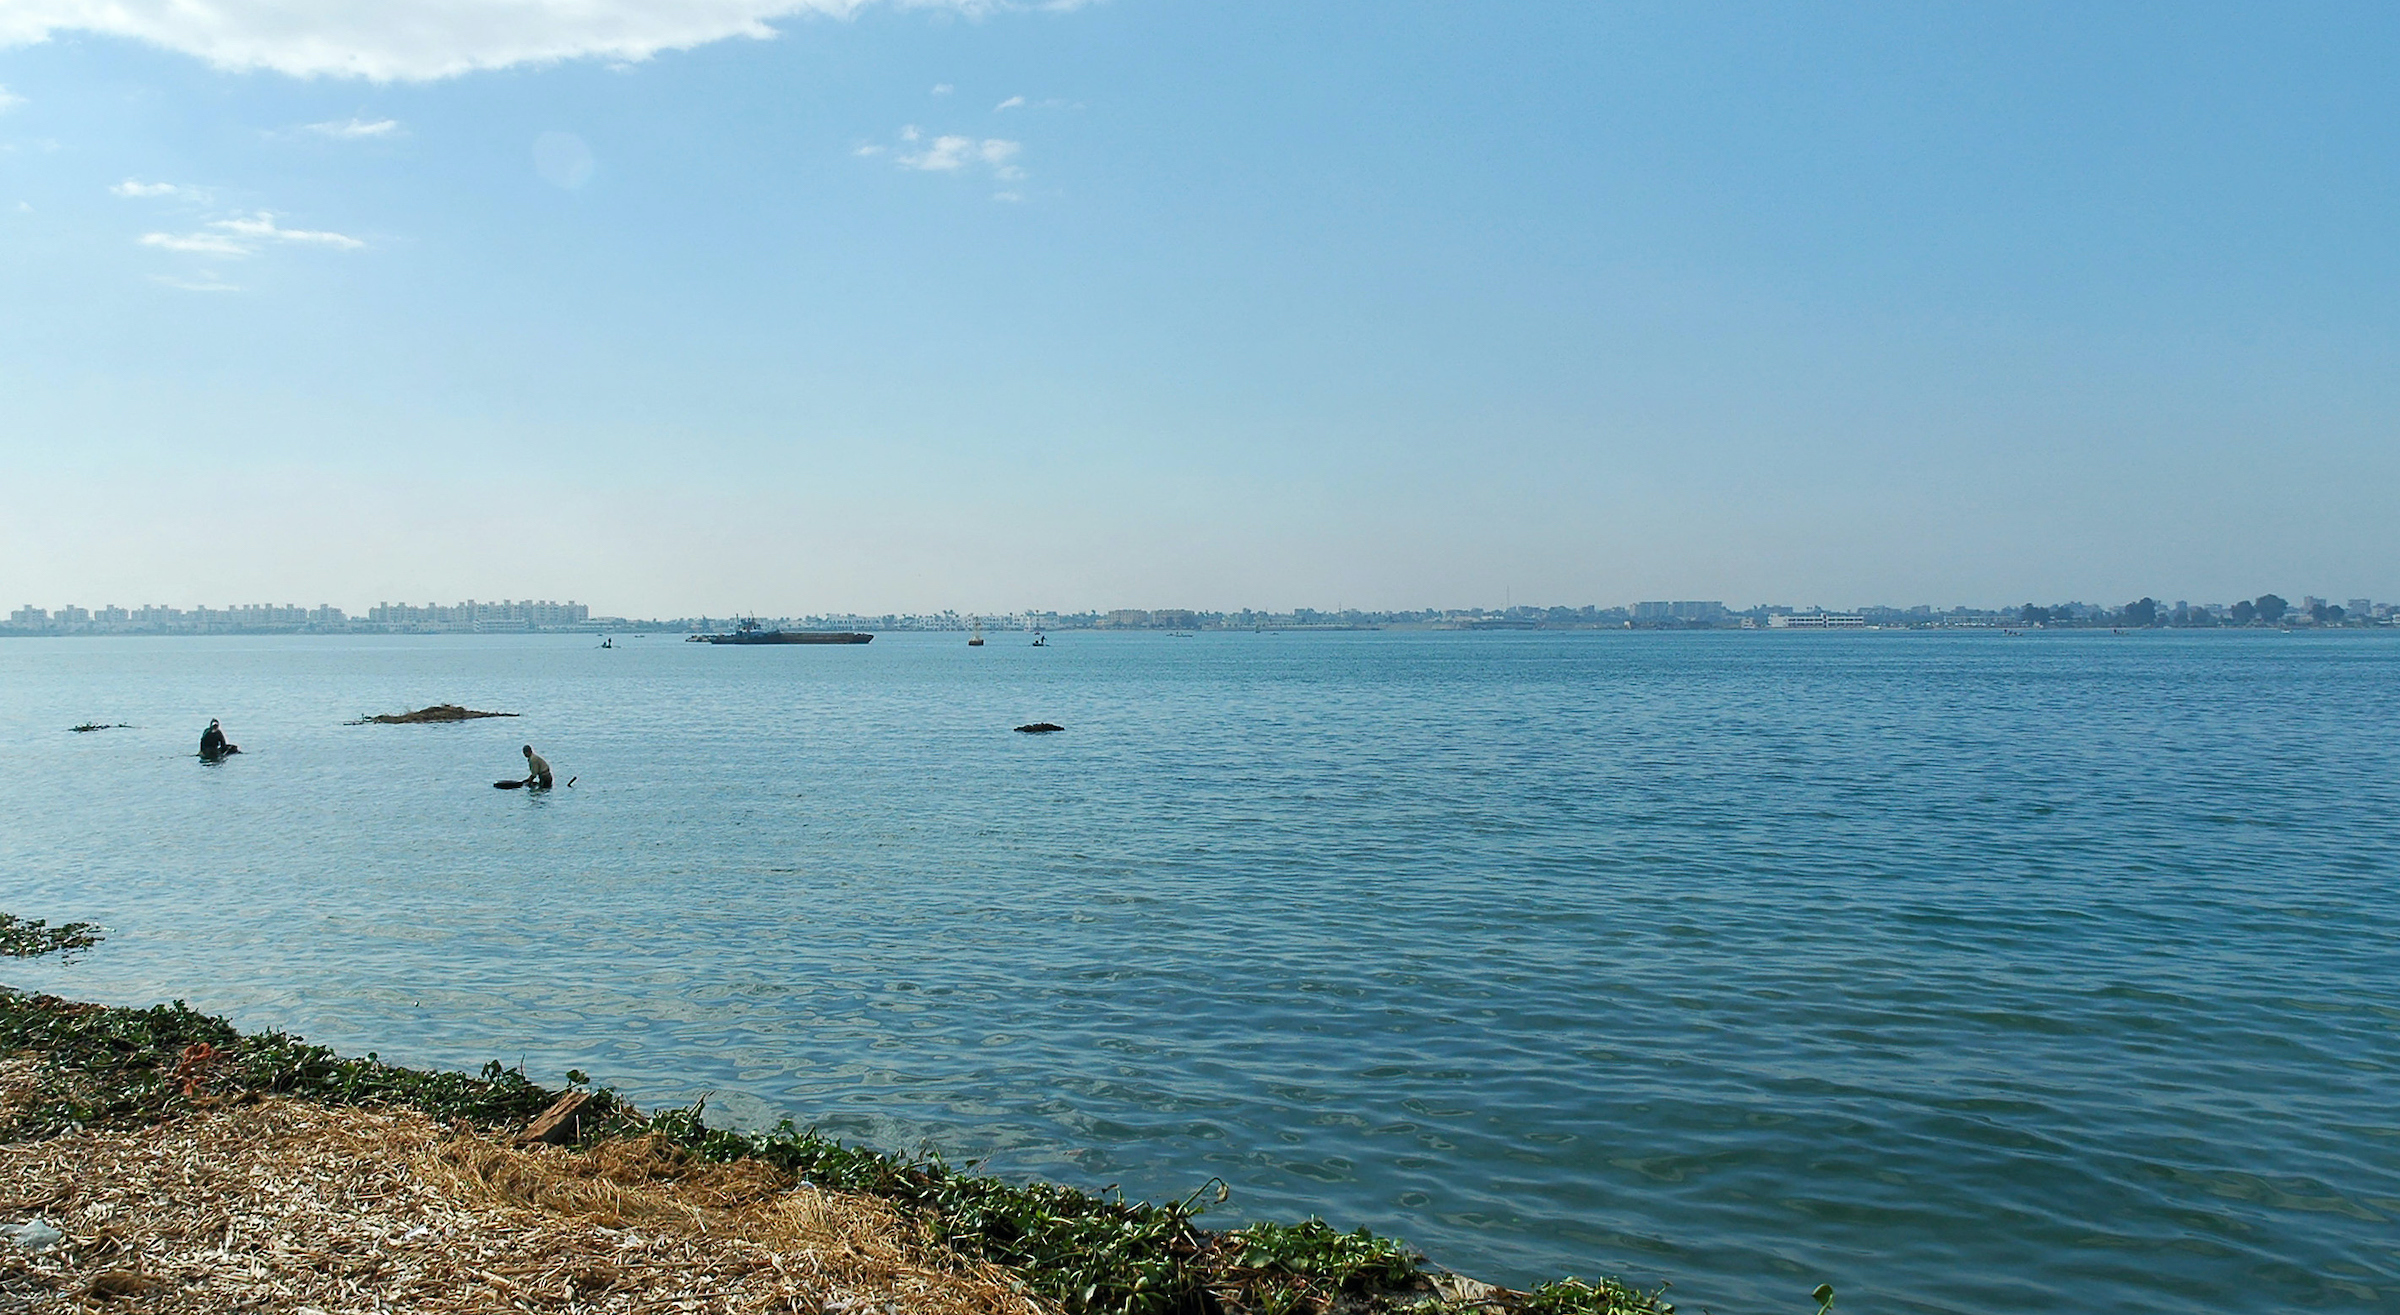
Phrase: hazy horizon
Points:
(598, 613)
(848, 306)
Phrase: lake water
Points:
(1968, 973)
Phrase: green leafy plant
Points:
(27, 938)
(131, 1067)
(1573, 1296)
(1304, 1266)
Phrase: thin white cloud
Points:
(949, 154)
(262, 228)
(139, 190)
(353, 129)
(417, 40)
(9, 100)
(1013, 102)
(245, 236)
(198, 244)
(942, 89)
(954, 153)
(946, 153)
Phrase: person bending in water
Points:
(537, 769)
(212, 742)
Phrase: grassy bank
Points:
(78, 1069)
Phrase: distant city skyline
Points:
(840, 304)
(527, 615)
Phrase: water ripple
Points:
(1963, 973)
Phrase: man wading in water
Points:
(537, 769)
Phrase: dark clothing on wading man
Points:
(212, 741)
(537, 769)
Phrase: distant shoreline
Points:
(1395, 627)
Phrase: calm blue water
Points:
(1967, 973)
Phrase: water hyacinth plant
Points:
(27, 938)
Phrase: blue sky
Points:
(773, 305)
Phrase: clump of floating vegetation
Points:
(82, 1067)
(90, 726)
(25, 938)
(438, 712)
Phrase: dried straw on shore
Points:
(290, 1206)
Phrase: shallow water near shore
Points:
(1964, 972)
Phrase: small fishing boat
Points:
(1040, 640)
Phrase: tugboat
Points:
(749, 632)
(975, 640)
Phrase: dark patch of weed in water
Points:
(27, 938)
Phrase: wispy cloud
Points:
(942, 89)
(353, 129)
(262, 228)
(419, 40)
(953, 153)
(198, 244)
(245, 236)
(1013, 102)
(949, 154)
(9, 100)
(134, 187)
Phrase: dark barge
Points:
(748, 632)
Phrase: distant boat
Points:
(749, 632)
(975, 640)
(1040, 640)
(606, 642)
